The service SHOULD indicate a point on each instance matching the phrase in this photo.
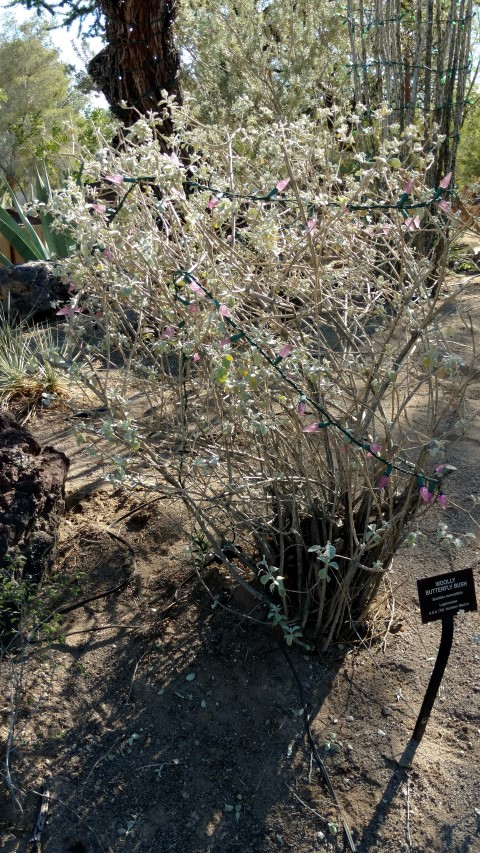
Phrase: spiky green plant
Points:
(29, 374)
(22, 235)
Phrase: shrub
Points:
(287, 343)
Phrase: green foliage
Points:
(96, 129)
(296, 53)
(70, 12)
(15, 592)
(40, 110)
(24, 605)
(468, 157)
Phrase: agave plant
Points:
(59, 245)
(22, 235)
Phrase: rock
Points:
(32, 290)
(32, 491)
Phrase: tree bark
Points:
(140, 60)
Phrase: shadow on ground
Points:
(182, 734)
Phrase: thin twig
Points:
(409, 837)
(54, 799)
(14, 709)
(138, 508)
(306, 804)
(313, 746)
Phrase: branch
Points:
(68, 13)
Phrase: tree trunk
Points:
(140, 60)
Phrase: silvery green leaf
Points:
(330, 551)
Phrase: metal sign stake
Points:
(435, 678)
(440, 597)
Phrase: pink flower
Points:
(374, 450)
(224, 311)
(382, 482)
(212, 203)
(442, 500)
(282, 185)
(169, 332)
(312, 427)
(412, 223)
(196, 356)
(301, 407)
(311, 225)
(425, 495)
(408, 187)
(67, 311)
(195, 288)
(225, 341)
(98, 314)
(445, 205)
(114, 179)
(286, 350)
(445, 182)
(72, 288)
(100, 208)
(108, 254)
(386, 229)
(194, 308)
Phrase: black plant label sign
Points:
(449, 593)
